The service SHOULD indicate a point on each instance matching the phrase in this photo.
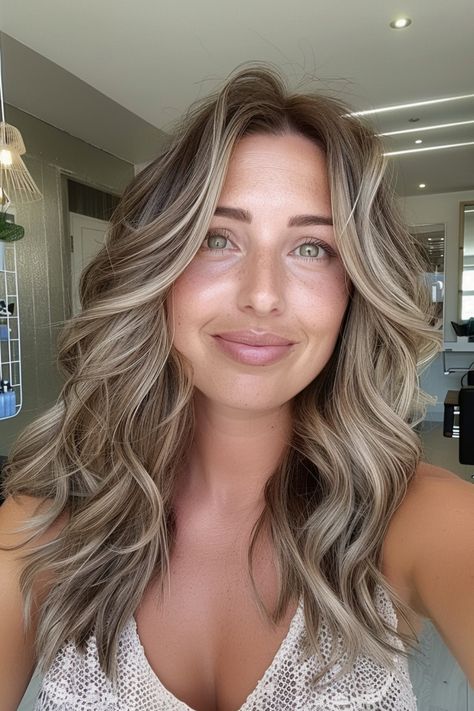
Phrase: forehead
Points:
(291, 163)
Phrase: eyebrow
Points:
(297, 221)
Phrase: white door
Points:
(87, 237)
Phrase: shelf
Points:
(10, 347)
(8, 417)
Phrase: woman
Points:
(232, 504)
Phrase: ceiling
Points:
(119, 74)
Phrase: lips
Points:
(250, 353)
(255, 338)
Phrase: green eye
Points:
(311, 249)
(216, 240)
(314, 251)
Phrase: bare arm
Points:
(444, 561)
(17, 662)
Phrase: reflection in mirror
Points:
(466, 262)
(430, 240)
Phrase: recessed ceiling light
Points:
(418, 140)
(423, 185)
(400, 23)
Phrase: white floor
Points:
(437, 679)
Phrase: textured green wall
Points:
(43, 254)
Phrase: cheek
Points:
(340, 292)
(188, 305)
(340, 299)
(324, 303)
(197, 291)
(176, 307)
(198, 285)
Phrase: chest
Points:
(205, 638)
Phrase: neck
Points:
(234, 452)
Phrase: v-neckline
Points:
(297, 618)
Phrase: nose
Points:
(261, 284)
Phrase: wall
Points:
(427, 209)
(43, 254)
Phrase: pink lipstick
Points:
(254, 348)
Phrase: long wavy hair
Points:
(108, 453)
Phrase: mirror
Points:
(466, 266)
(430, 240)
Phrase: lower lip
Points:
(252, 355)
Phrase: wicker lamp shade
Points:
(16, 184)
(15, 180)
(10, 138)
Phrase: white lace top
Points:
(76, 682)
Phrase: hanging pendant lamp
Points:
(16, 182)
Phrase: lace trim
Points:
(77, 682)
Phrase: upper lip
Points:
(255, 338)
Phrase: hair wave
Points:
(109, 451)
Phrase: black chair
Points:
(459, 405)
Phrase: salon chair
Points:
(459, 420)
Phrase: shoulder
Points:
(411, 527)
(15, 513)
(439, 516)
(431, 491)
(17, 645)
(426, 492)
(426, 472)
(437, 492)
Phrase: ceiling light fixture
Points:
(423, 185)
(400, 23)
(426, 128)
(418, 140)
(399, 107)
(429, 148)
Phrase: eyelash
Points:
(329, 251)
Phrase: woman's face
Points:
(263, 274)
